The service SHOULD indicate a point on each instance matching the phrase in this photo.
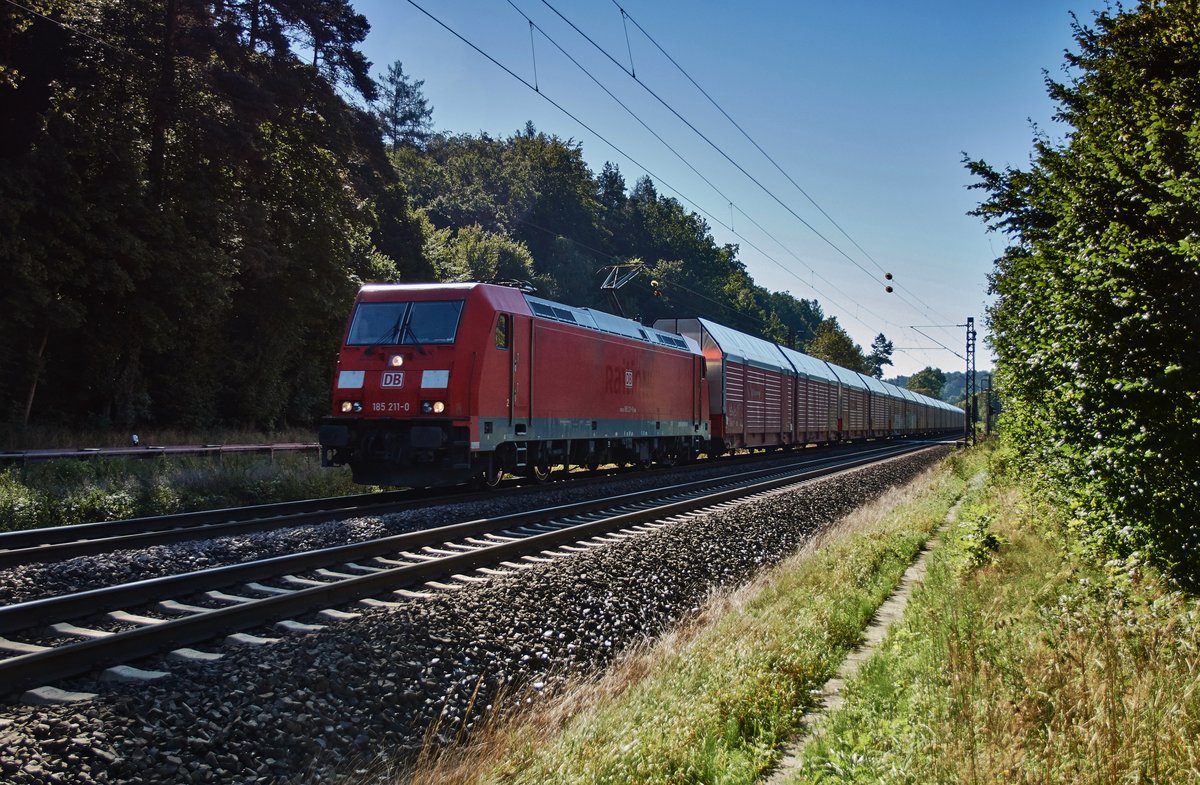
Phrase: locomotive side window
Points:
(392, 323)
(502, 331)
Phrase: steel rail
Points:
(71, 606)
(155, 451)
(57, 543)
(77, 658)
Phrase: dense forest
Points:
(191, 193)
(1097, 297)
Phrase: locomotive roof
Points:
(608, 323)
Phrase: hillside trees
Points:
(187, 208)
(928, 381)
(189, 199)
(536, 190)
(833, 344)
(1098, 294)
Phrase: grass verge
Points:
(1020, 662)
(712, 701)
(54, 493)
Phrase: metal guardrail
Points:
(154, 451)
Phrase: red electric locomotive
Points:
(441, 383)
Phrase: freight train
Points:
(439, 384)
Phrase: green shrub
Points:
(20, 507)
(1094, 324)
(94, 503)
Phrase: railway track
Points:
(58, 543)
(132, 621)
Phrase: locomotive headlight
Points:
(427, 407)
(347, 407)
(395, 361)
(439, 407)
(356, 406)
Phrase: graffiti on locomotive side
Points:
(622, 380)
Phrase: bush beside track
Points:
(62, 492)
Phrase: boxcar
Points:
(816, 398)
(751, 385)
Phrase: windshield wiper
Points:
(393, 336)
(407, 328)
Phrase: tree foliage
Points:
(1098, 302)
(928, 381)
(186, 209)
(403, 112)
(881, 355)
(833, 344)
(188, 203)
(536, 189)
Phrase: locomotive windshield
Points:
(391, 323)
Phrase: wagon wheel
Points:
(592, 462)
(541, 472)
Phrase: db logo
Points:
(628, 379)
(392, 379)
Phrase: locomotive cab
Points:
(403, 392)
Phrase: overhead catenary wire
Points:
(712, 144)
(534, 26)
(729, 227)
(846, 311)
(626, 16)
(72, 30)
(939, 343)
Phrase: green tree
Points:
(403, 112)
(833, 344)
(881, 355)
(474, 254)
(928, 381)
(1097, 305)
(184, 183)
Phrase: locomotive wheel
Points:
(492, 476)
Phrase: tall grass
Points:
(1019, 662)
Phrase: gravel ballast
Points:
(312, 707)
(35, 581)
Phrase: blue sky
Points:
(868, 106)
